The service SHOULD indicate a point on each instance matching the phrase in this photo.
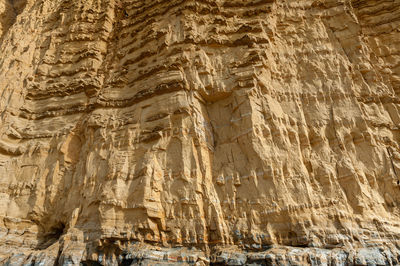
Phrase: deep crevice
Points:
(90, 263)
(51, 236)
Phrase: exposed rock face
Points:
(212, 128)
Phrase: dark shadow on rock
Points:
(49, 237)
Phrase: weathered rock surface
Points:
(199, 131)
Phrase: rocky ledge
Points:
(141, 254)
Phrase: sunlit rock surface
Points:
(199, 131)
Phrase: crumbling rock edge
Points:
(145, 254)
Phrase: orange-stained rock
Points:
(199, 131)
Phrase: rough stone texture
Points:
(199, 131)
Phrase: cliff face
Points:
(214, 128)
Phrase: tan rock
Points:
(127, 126)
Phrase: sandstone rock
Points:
(199, 132)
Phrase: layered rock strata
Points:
(216, 128)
